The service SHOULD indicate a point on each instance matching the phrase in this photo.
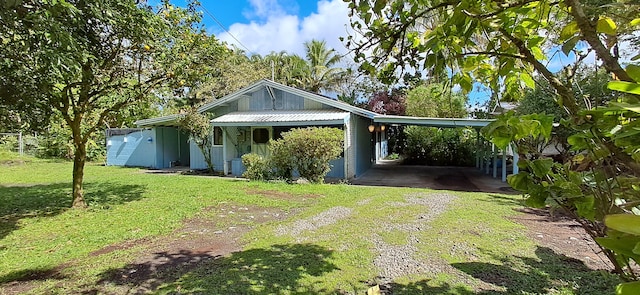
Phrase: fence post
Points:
(20, 144)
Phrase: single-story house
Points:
(244, 122)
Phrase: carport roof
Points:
(432, 122)
(282, 118)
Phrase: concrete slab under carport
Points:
(394, 174)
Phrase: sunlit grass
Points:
(40, 234)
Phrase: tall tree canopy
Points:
(90, 59)
(323, 73)
(494, 42)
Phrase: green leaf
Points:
(526, 78)
(621, 245)
(577, 141)
(631, 288)
(537, 196)
(607, 26)
(626, 87)
(379, 5)
(520, 181)
(570, 44)
(586, 207)
(541, 167)
(626, 223)
(569, 30)
(634, 72)
(627, 106)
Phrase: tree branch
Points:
(567, 97)
(590, 34)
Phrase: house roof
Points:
(223, 101)
(303, 93)
(170, 120)
(432, 122)
(276, 118)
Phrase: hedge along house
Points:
(244, 122)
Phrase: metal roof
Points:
(303, 93)
(282, 118)
(432, 122)
(170, 120)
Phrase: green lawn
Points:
(470, 246)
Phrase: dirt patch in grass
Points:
(215, 233)
(12, 162)
(279, 195)
(563, 235)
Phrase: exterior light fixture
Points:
(382, 127)
(372, 128)
(109, 143)
(125, 139)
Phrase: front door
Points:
(260, 137)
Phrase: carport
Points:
(487, 155)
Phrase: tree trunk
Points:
(79, 160)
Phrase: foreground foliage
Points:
(501, 44)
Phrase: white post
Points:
(487, 162)
(20, 144)
(494, 152)
(516, 157)
(225, 165)
(478, 165)
(504, 165)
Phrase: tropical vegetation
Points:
(505, 45)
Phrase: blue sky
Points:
(263, 26)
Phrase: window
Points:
(260, 135)
(217, 136)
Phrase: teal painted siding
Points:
(136, 151)
(337, 168)
(363, 145)
(197, 159)
(171, 147)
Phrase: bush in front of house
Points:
(306, 150)
(257, 167)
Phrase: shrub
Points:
(309, 150)
(257, 167)
(441, 147)
(280, 160)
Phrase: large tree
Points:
(90, 59)
(505, 44)
(323, 72)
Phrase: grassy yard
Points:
(313, 239)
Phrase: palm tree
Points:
(322, 73)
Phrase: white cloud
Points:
(275, 28)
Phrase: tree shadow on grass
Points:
(20, 202)
(550, 271)
(273, 270)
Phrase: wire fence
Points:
(19, 143)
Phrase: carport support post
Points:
(494, 152)
(487, 154)
(477, 148)
(504, 165)
(516, 157)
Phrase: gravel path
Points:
(325, 218)
(399, 260)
